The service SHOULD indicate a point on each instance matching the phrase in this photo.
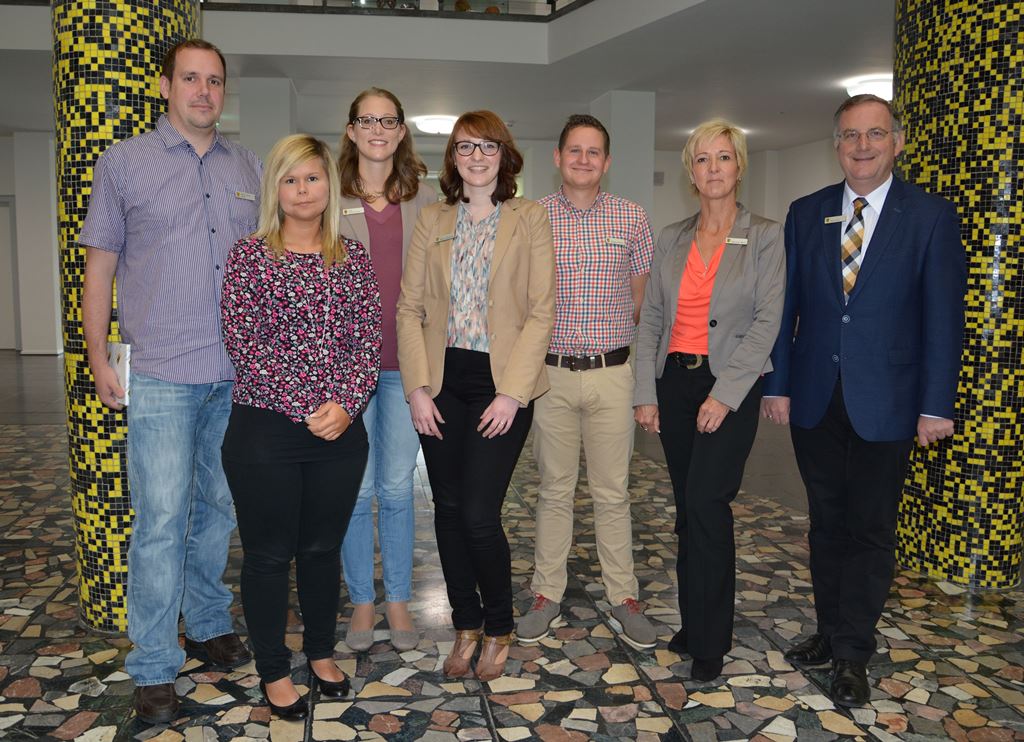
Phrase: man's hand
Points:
(425, 415)
(648, 417)
(775, 409)
(931, 429)
(329, 421)
(107, 388)
(497, 418)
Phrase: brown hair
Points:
(167, 70)
(407, 168)
(577, 120)
(485, 125)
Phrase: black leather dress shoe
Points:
(226, 650)
(678, 643)
(329, 688)
(813, 651)
(156, 704)
(706, 670)
(849, 686)
(292, 712)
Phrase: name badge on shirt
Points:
(246, 196)
(835, 219)
(444, 238)
(353, 210)
(616, 241)
(736, 240)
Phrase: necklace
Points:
(367, 197)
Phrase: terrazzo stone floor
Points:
(950, 664)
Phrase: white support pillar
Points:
(35, 203)
(628, 115)
(267, 111)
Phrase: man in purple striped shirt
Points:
(166, 208)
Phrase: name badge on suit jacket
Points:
(838, 219)
(353, 210)
(736, 240)
(444, 238)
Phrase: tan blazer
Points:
(353, 222)
(520, 300)
(745, 311)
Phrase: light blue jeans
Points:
(183, 520)
(389, 471)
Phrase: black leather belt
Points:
(584, 363)
(688, 360)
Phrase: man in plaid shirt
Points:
(603, 249)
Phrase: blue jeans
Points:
(389, 470)
(183, 520)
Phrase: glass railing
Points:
(538, 10)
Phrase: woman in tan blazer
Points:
(708, 323)
(474, 320)
(381, 200)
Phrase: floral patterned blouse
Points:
(471, 272)
(297, 334)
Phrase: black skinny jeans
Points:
(706, 471)
(469, 476)
(294, 494)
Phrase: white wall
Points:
(6, 166)
(8, 276)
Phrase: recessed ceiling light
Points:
(880, 85)
(435, 123)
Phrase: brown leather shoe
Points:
(456, 664)
(226, 650)
(156, 704)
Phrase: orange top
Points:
(690, 328)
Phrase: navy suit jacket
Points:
(897, 343)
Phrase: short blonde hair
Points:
(289, 152)
(708, 131)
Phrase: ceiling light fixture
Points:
(435, 123)
(880, 85)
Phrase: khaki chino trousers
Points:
(593, 408)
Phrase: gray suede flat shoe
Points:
(403, 641)
(359, 641)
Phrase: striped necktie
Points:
(853, 242)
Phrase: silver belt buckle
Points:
(697, 363)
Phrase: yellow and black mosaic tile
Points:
(958, 78)
(106, 67)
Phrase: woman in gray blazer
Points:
(710, 316)
(381, 200)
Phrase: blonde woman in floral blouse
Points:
(300, 314)
(474, 318)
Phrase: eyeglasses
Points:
(465, 148)
(851, 136)
(386, 122)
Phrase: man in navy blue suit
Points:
(868, 357)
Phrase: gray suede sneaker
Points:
(543, 616)
(629, 620)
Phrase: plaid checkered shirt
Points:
(597, 251)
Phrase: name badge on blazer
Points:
(736, 240)
(245, 196)
(444, 238)
(616, 241)
(835, 219)
(353, 210)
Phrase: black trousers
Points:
(294, 494)
(853, 493)
(706, 471)
(469, 476)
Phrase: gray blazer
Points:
(353, 224)
(745, 312)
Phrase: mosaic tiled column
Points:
(958, 79)
(106, 67)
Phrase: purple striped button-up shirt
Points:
(172, 217)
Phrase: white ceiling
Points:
(771, 66)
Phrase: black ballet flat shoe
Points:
(329, 688)
(292, 712)
(706, 670)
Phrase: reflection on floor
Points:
(950, 665)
